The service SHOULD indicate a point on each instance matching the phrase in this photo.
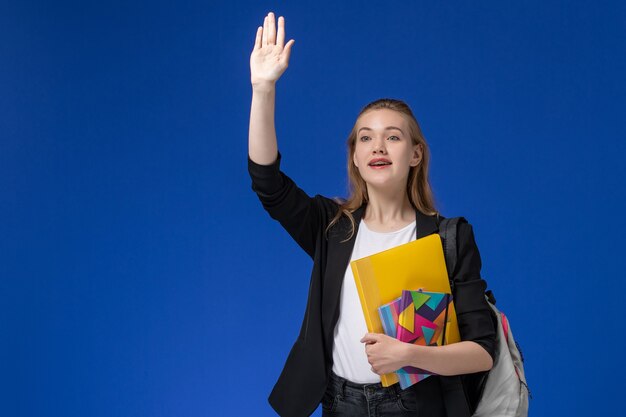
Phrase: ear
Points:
(354, 160)
(418, 151)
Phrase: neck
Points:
(388, 206)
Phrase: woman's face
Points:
(384, 152)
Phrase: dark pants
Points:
(345, 398)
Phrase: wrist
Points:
(416, 355)
(410, 354)
(263, 87)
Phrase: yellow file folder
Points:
(380, 279)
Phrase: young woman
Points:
(335, 360)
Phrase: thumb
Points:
(287, 51)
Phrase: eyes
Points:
(392, 138)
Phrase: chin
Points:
(381, 184)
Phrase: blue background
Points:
(139, 274)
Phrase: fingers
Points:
(370, 338)
(269, 30)
(259, 35)
(265, 31)
(271, 36)
(280, 39)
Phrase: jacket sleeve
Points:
(473, 313)
(298, 213)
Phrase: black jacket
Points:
(303, 380)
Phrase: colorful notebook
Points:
(417, 317)
(380, 279)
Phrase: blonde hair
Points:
(418, 187)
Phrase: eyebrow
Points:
(387, 128)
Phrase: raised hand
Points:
(270, 57)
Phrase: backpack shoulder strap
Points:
(447, 231)
(455, 398)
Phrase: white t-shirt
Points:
(349, 358)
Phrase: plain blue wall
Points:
(139, 274)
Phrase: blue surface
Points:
(132, 248)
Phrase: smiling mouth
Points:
(379, 164)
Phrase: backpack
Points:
(502, 391)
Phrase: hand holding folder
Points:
(381, 278)
(420, 318)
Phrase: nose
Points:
(379, 147)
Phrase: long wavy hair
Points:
(418, 187)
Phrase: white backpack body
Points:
(505, 393)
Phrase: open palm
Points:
(270, 57)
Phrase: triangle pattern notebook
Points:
(417, 317)
(381, 277)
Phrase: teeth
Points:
(380, 163)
